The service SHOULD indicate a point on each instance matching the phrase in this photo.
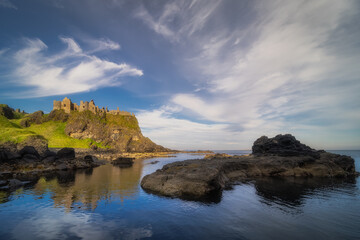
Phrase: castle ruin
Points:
(69, 106)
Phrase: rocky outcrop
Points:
(277, 157)
(34, 118)
(28, 162)
(282, 145)
(7, 111)
(120, 132)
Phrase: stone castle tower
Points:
(69, 106)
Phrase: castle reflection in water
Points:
(84, 189)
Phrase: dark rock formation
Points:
(123, 162)
(29, 150)
(68, 153)
(273, 158)
(282, 145)
(28, 164)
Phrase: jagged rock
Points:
(67, 153)
(282, 145)
(123, 162)
(282, 156)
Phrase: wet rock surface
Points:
(282, 156)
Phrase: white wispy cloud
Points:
(278, 72)
(103, 44)
(192, 16)
(7, 4)
(159, 26)
(69, 71)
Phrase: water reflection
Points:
(85, 188)
(293, 192)
(108, 203)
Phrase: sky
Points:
(198, 74)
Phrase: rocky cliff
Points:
(76, 129)
(117, 131)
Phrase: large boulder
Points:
(282, 145)
(29, 151)
(66, 153)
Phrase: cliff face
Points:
(75, 129)
(116, 131)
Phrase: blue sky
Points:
(197, 74)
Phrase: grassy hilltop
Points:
(77, 130)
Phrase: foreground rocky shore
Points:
(18, 167)
(281, 156)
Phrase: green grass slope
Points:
(11, 132)
(76, 130)
(52, 131)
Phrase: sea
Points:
(107, 202)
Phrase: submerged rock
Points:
(123, 162)
(282, 156)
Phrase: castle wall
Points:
(57, 105)
(76, 107)
(92, 106)
(68, 106)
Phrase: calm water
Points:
(108, 203)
